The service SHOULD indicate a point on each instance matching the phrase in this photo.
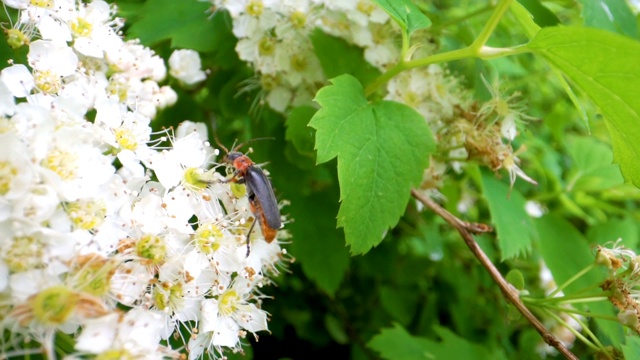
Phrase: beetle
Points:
(264, 205)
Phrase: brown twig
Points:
(466, 229)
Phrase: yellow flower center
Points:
(62, 163)
(266, 46)
(25, 253)
(86, 215)
(255, 8)
(152, 247)
(207, 238)
(126, 139)
(7, 174)
(228, 303)
(81, 27)
(298, 19)
(54, 305)
(47, 81)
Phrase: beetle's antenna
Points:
(215, 136)
(250, 141)
(214, 130)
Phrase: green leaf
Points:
(351, 59)
(603, 65)
(400, 303)
(185, 23)
(396, 343)
(319, 247)
(405, 13)
(513, 225)
(612, 15)
(336, 330)
(625, 229)
(594, 170)
(382, 149)
(541, 14)
(565, 251)
(525, 18)
(515, 278)
(298, 131)
(631, 347)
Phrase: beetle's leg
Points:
(234, 178)
(249, 236)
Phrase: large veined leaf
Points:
(606, 66)
(382, 150)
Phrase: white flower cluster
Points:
(106, 235)
(274, 37)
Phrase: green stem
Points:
(491, 24)
(578, 312)
(574, 331)
(572, 279)
(476, 50)
(405, 46)
(568, 299)
(588, 331)
(581, 301)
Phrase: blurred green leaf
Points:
(405, 13)
(400, 303)
(298, 131)
(612, 15)
(565, 251)
(350, 59)
(317, 245)
(631, 347)
(600, 63)
(396, 343)
(382, 149)
(625, 229)
(335, 329)
(515, 278)
(594, 170)
(513, 225)
(525, 18)
(540, 13)
(183, 22)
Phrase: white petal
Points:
(98, 334)
(18, 79)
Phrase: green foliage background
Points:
(418, 293)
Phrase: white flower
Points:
(94, 30)
(18, 80)
(224, 317)
(185, 66)
(47, 55)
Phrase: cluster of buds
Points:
(621, 285)
(464, 130)
(112, 235)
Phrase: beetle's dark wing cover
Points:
(259, 186)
